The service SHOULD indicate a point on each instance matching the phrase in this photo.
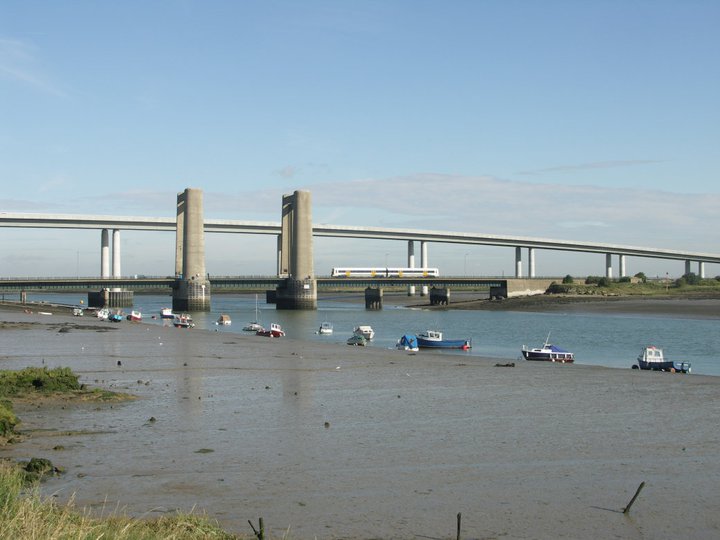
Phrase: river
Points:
(611, 340)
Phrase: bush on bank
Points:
(25, 514)
(13, 383)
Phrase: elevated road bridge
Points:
(376, 233)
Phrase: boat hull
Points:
(673, 367)
(463, 344)
(546, 357)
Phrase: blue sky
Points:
(594, 121)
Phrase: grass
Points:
(25, 514)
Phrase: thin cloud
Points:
(490, 205)
(593, 165)
(18, 64)
(289, 171)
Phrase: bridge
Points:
(60, 221)
(296, 283)
(234, 283)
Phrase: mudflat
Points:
(329, 441)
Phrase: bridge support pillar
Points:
(687, 267)
(423, 264)
(608, 265)
(114, 297)
(104, 254)
(701, 270)
(192, 288)
(518, 262)
(296, 254)
(110, 298)
(439, 296)
(373, 298)
(411, 264)
(622, 270)
(531, 262)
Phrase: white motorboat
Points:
(325, 329)
(365, 331)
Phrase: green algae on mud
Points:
(42, 386)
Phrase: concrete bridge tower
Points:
(296, 254)
(192, 287)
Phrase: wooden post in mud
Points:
(639, 489)
(261, 533)
(458, 525)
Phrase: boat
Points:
(115, 317)
(183, 321)
(365, 331)
(78, 311)
(357, 339)
(408, 342)
(652, 358)
(224, 320)
(325, 329)
(433, 339)
(135, 316)
(103, 314)
(274, 331)
(548, 353)
(166, 313)
(254, 326)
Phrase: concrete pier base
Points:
(191, 291)
(373, 298)
(439, 296)
(110, 298)
(299, 290)
(296, 294)
(191, 295)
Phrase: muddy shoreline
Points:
(336, 442)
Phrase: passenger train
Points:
(385, 272)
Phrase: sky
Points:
(591, 121)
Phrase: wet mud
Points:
(344, 442)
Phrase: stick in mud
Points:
(261, 533)
(458, 525)
(639, 489)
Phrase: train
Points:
(385, 272)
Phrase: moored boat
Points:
(408, 342)
(357, 339)
(115, 317)
(166, 313)
(274, 331)
(254, 326)
(652, 358)
(224, 320)
(325, 329)
(365, 331)
(103, 314)
(135, 316)
(548, 353)
(183, 321)
(433, 339)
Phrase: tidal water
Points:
(611, 340)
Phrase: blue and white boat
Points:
(408, 342)
(548, 353)
(652, 358)
(433, 339)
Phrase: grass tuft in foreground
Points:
(24, 514)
